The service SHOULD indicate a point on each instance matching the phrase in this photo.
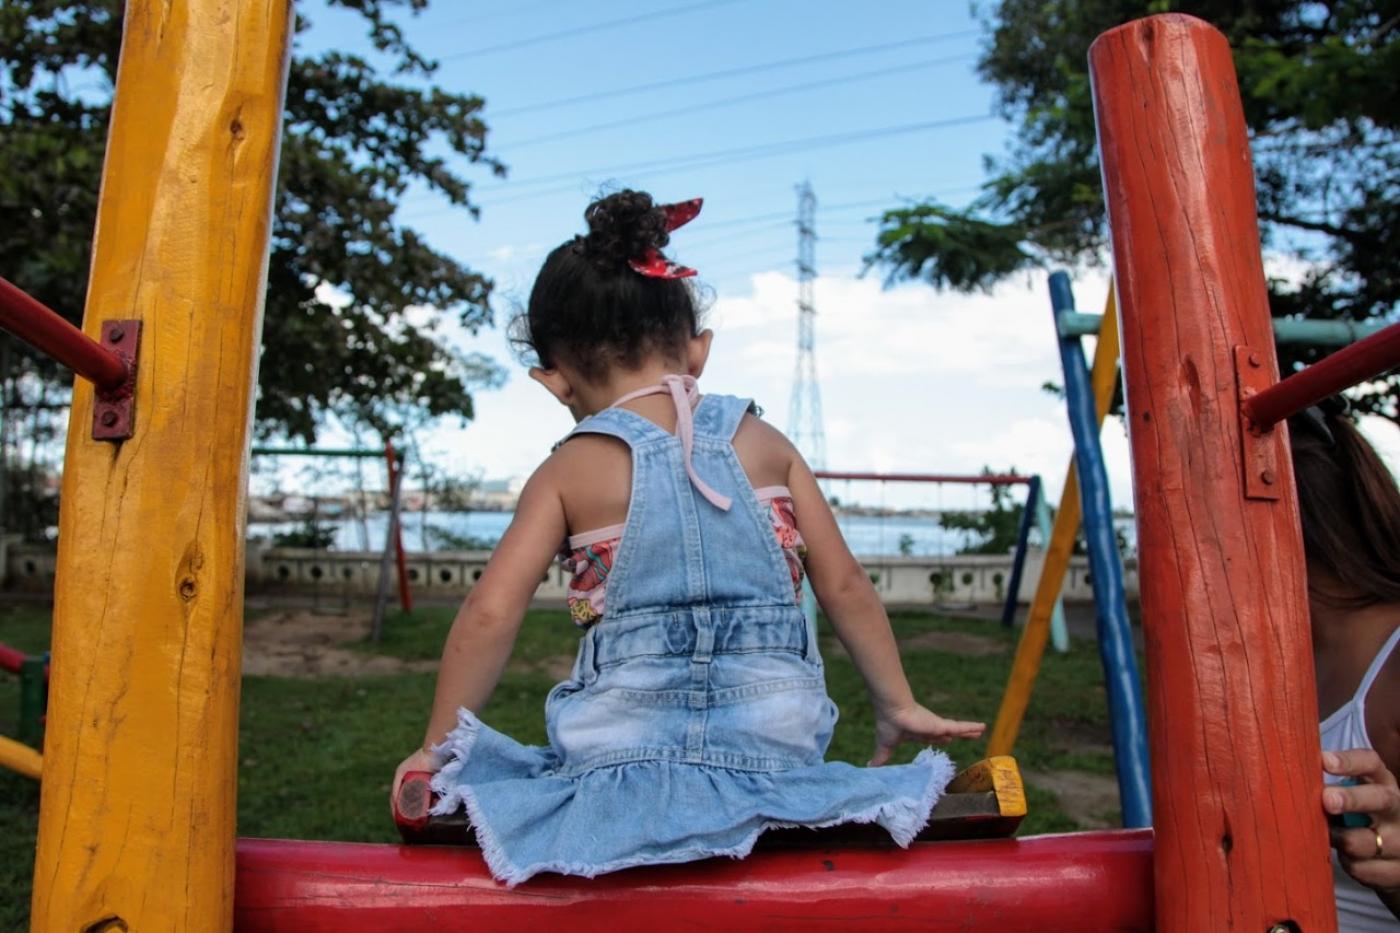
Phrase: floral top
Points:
(589, 556)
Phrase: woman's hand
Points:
(915, 724)
(421, 760)
(1370, 855)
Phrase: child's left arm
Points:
(484, 631)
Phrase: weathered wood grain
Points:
(1240, 837)
(137, 814)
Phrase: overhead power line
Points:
(739, 99)
(706, 160)
(515, 12)
(787, 215)
(734, 72)
(583, 30)
(739, 153)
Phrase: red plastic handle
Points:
(414, 801)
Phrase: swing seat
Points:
(985, 801)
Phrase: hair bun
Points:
(621, 227)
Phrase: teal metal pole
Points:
(33, 699)
(310, 452)
(1287, 330)
(1059, 632)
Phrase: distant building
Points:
(498, 495)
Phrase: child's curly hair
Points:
(589, 309)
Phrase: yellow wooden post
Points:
(1031, 648)
(136, 827)
(20, 758)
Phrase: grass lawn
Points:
(317, 755)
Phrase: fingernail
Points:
(1332, 801)
(1330, 761)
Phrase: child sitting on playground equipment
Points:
(696, 716)
(1350, 510)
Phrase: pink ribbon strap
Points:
(685, 393)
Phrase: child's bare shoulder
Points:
(756, 430)
(583, 456)
(765, 452)
(587, 449)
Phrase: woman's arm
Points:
(843, 588)
(483, 633)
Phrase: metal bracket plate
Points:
(114, 410)
(1261, 451)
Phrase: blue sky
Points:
(911, 379)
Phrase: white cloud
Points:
(913, 380)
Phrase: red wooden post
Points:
(396, 486)
(1241, 841)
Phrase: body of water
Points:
(871, 535)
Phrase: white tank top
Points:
(1359, 910)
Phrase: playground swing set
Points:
(393, 550)
(137, 812)
(1034, 514)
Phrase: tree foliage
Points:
(990, 531)
(359, 307)
(1321, 98)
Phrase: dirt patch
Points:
(1076, 737)
(1091, 800)
(964, 643)
(556, 667)
(306, 644)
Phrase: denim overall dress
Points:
(696, 716)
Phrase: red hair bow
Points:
(656, 266)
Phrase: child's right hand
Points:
(916, 724)
(421, 760)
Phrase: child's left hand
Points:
(917, 724)
(421, 760)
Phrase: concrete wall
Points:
(900, 581)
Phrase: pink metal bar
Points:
(990, 479)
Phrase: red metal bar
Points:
(1365, 359)
(11, 659)
(395, 465)
(1086, 882)
(1241, 841)
(990, 479)
(51, 335)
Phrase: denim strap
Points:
(686, 395)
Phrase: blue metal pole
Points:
(1115, 637)
(1018, 563)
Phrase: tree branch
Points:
(1316, 226)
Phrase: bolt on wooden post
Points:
(1241, 841)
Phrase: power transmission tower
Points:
(805, 410)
